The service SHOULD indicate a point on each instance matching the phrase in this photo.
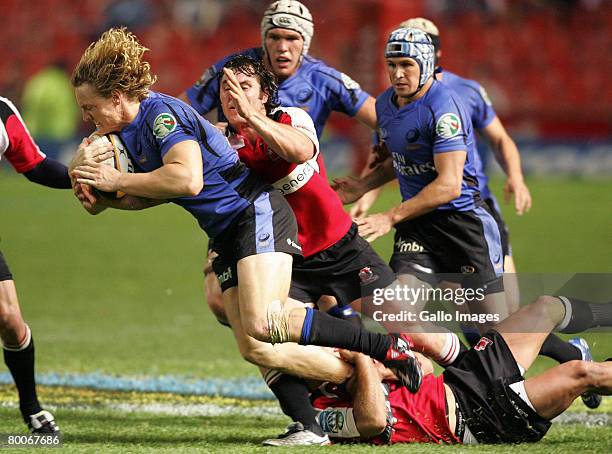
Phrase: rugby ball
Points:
(120, 161)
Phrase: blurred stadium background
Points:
(116, 301)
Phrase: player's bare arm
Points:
(351, 188)
(369, 407)
(180, 176)
(286, 141)
(446, 187)
(508, 157)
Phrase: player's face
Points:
(404, 74)
(252, 91)
(104, 113)
(284, 48)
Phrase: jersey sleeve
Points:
(450, 126)
(16, 143)
(301, 121)
(204, 94)
(170, 125)
(344, 94)
(483, 112)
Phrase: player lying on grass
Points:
(180, 157)
(483, 398)
(23, 154)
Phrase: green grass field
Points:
(121, 293)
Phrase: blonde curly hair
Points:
(114, 62)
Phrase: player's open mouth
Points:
(283, 61)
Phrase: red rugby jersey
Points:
(16, 144)
(321, 218)
(418, 418)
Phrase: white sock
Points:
(450, 351)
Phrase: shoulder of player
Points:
(454, 80)
(322, 72)
(7, 108)
(289, 115)
(442, 99)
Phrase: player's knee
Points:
(581, 370)
(257, 329)
(260, 355)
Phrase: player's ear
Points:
(116, 97)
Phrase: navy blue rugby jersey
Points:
(315, 87)
(435, 123)
(480, 109)
(164, 121)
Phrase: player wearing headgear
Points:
(180, 157)
(305, 82)
(20, 150)
(441, 225)
(487, 123)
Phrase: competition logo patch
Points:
(332, 421)
(163, 125)
(483, 343)
(449, 125)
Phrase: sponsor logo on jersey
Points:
(407, 246)
(297, 178)
(349, 83)
(163, 125)
(485, 96)
(468, 269)
(408, 168)
(483, 343)
(448, 126)
(332, 421)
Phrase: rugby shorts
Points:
(504, 233)
(460, 246)
(490, 408)
(267, 225)
(348, 270)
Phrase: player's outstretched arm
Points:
(508, 157)
(50, 173)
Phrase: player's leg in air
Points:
(18, 348)
(553, 391)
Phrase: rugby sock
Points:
(293, 397)
(561, 351)
(346, 313)
(580, 315)
(452, 351)
(20, 362)
(327, 331)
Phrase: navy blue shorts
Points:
(267, 225)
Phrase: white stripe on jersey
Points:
(4, 138)
(302, 173)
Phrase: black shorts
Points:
(492, 411)
(504, 234)
(463, 245)
(5, 273)
(348, 270)
(268, 225)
